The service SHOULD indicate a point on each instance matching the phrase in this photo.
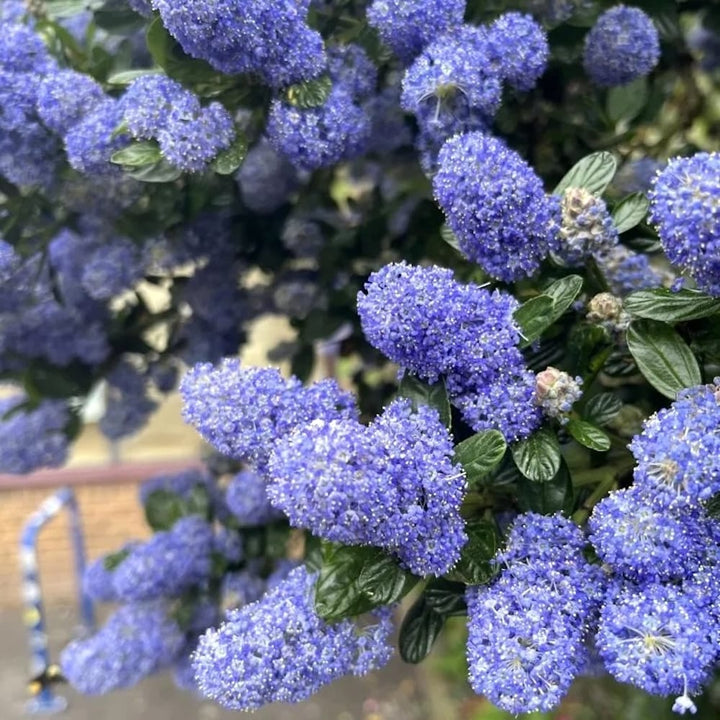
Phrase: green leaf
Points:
(163, 508)
(420, 393)
(353, 580)
(594, 173)
(137, 154)
(671, 307)
(538, 456)
(588, 435)
(626, 102)
(475, 566)
(602, 408)
(419, 630)
(550, 497)
(68, 8)
(127, 76)
(481, 454)
(110, 562)
(663, 357)
(158, 172)
(230, 159)
(563, 293)
(630, 211)
(445, 597)
(534, 317)
(309, 94)
(449, 237)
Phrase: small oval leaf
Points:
(538, 456)
(630, 211)
(671, 307)
(588, 435)
(593, 173)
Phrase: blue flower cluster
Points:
(136, 641)
(248, 501)
(189, 135)
(28, 152)
(278, 649)
(684, 210)
(167, 564)
(622, 46)
(316, 137)
(183, 484)
(243, 412)
(455, 84)
(407, 26)
(391, 484)
(527, 631)
(496, 206)
(32, 437)
(627, 271)
(678, 451)
(436, 327)
(269, 37)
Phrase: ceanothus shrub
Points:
(502, 386)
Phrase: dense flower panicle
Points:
(684, 209)
(248, 501)
(13, 11)
(622, 45)
(453, 82)
(391, 484)
(350, 66)
(658, 637)
(128, 407)
(278, 649)
(556, 392)
(519, 49)
(241, 588)
(111, 268)
(98, 577)
(171, 561)
(33, 437)
(189, 140)
(22, 51)
(90, 144)
(587, 228)
(388, 129)
(317, 137)
(65, 97)
(647, 542)
(242, 412)
(149, 99)
(637, 175)
(406, 26)
(137, 640)
(527, 631)
(266, 178)
(678, 451)
(269, 37)
(627, 271)
(436, 327)
(495, 204)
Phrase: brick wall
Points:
(110, 513)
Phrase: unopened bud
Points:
(556, 392)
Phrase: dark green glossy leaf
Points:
(449, 237)
(593, 173)
(353, 580)
(663, 357)
(419, 630)
(534, 317)
(309, 94)
(671, 307)
(481, 454)
(538, 456)
(445, 597)
(420, 393)
(229, 160)
(163, 508)
(588, 435)
(563, 293)
(137, 154)
(547, 498)
(475, 566)
(630, 211)
(602, 408)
